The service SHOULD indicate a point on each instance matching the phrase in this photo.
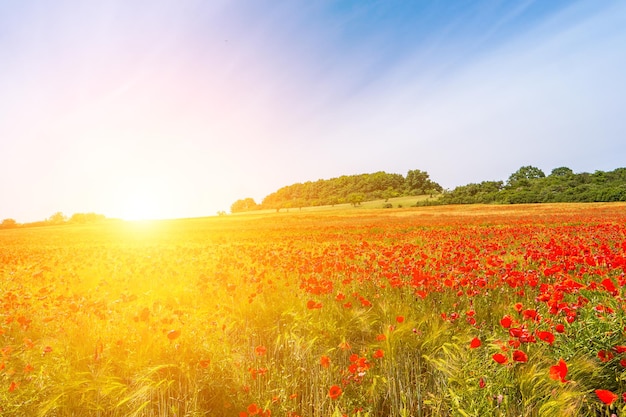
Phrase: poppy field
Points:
(434, 311)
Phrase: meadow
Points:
(434, 311)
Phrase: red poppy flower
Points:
(475, 343)
(506, 322)
(260, 350)
(325, 361)
(519, 356)
(605, 355)
(514, 343)
(620, 349)
(547, 337)
(482, 383)
(559, 371)
(500, 358)
(609, 286)
(253, 409)
(606, 396)
(530, 314)
(334, 392)
(400, 319)
(253, 372)
(353, 368)
(365, 302)
(560, 328)
(379, 353)
(204, 363)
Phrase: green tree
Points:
(389, 193)
(523, 176)
(561, 172)
(417, 182)
(355, 198)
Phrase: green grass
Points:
(396, 202)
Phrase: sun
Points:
(140, 208)
(142, 203)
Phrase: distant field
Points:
(432, 311)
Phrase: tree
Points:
(57, 218)
(8, 224)
(356, 198)
(523, 176)
(245, 204)
(389, 193)
(418, 182)
(561, 172)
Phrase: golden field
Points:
(434, 311)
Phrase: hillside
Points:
(526, 185)
(352, 189)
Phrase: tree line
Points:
(529, 184)
(56, 219)
(352, 189)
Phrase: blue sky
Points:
(177, 109)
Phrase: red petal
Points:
(500, 358)
(606, 396)
(475, 343)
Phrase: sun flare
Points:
(140, 208)
(142, 203)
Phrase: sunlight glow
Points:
(142, 202)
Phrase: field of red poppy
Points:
(438, 311)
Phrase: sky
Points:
(168, 109)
